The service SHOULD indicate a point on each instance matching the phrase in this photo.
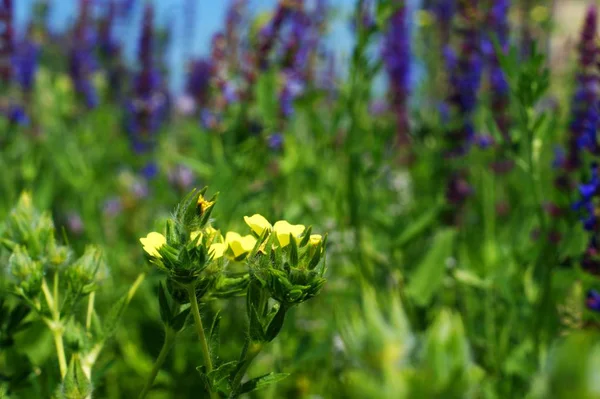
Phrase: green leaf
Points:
(213, 338)
(429, 274)
(419, 226)
(164, 306)
(255, 329)
(178, 322)
(276, 324)
(262, 382)
(114, 315)
(293, 251)
(220, 375)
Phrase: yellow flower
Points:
(217, 250)
(283, 229)
(152, 242)
(204, 204)
(257, 223)
(315, 239)
(238, 244)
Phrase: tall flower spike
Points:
(444, 11)
(81, 59)
(26, 62)
(6, 40)
(198, 81)
(497, 20)
(464, 67)
(269, 34)
(147, 107)
(396, 56)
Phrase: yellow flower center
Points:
(283, 229)
(152, 242)
(257, 223)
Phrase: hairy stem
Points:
(200, 329)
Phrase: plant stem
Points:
(167, 344)
(90, 310)
(60, 351)
(200, 329)
(55, 327)
(134, 287)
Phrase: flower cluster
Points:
(282, 257)
(283, 267)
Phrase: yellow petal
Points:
(238, 244)
(283, 229)
(152, 242)
(217, 250)
(257, 223)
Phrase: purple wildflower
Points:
(198, 81)
(17, 116)
(233, 21)
(396, 56)
(593, 300)
(113, 206)
(75, 223)
(150, 170)
(209, 119)
(444, 11)
(458, 189)
(589, 191)
(585, 101)
(181, 177)
(269, 34)
(465, 68)
(275, 141)
(25, 63)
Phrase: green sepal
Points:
(75, 385)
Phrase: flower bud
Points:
(83, 271)
(27, 273)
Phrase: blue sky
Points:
(209, 17)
